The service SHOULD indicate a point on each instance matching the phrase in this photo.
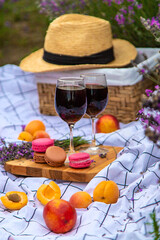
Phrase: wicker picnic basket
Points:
(126, 87)
(124, 101)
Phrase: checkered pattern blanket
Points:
(136, 172)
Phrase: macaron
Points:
(39, 157)
(55, 156)
(41, 144)
(80, 160)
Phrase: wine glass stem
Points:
(71, 150)
(93, 132)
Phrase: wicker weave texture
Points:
(124, 101)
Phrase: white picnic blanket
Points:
(136, 171)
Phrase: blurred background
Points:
(23, 23)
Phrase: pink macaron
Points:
(80, 160)
(41, 144)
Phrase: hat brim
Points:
(124, 52)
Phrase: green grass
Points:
(155, 226)
(22, 30)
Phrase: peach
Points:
(59, 215)
(106, 124)
(107, 192)
(34, 125)
(40, 134)
(80, 200)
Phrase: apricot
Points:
(46, 193)
(25, 136)
(107, 192)
(34, 125)
(59, 215)
(80, 199)
(40, 134)
(107, 124)
(14, 200)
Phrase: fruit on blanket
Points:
(34, 125)
(46, 193)
(106, 124)
(40, 134)
(14, 200)
(80, 199)
(107, 192)
(25, 136)
(59, 215)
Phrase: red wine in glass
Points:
(97, 99)
(70, 102)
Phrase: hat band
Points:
(97, 58)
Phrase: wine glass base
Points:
(95, 150)
(68, 154)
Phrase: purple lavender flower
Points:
(120, 19)
(152, 25)
(12, 151)
(119, 1)
(123, 10)
(43, 4)
(131, 12)
(142, 70)
(23, 127)
(139, 6)
(141, 111)
(130, 8)
(1, 2)
(150, 115)
(154, 21)
(157, 87)
(148, 92)
(157, 119)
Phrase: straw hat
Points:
(75, 41)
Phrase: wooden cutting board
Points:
(27, 167)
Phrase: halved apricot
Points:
(14, 200)
(46, 193)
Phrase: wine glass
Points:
(97, 99)
(70, 102)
